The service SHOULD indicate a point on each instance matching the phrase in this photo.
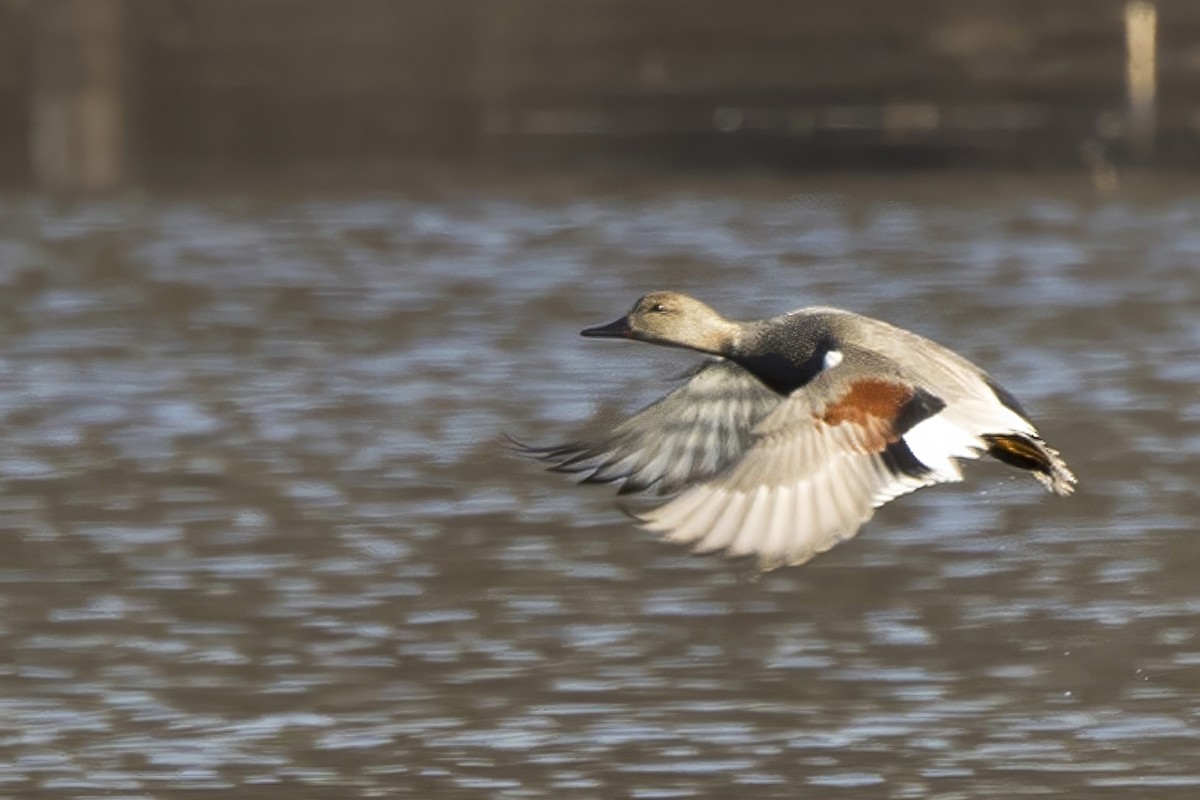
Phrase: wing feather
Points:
(692, 434)
(803, 486)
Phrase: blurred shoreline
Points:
(103, 93)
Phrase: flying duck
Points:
(783, 442)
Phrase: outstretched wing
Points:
(694, 433)
(818, 467)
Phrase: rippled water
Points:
(258, 533)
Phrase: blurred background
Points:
(275, 275)
(100, 92)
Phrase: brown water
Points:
(259, 539)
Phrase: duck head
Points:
(675, 320)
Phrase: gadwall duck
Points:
(785, 441)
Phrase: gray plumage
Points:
(786, 440)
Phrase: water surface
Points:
(258, 535)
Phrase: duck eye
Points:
(658, 307)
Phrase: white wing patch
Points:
(937, 442)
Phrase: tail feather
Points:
(1031, 453)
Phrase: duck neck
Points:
(783, 365)
(719, 337)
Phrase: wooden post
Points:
(78, 124)
(1141, 23)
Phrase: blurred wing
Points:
(690, 435)
(819, 466)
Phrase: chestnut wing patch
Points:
(882, 410)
